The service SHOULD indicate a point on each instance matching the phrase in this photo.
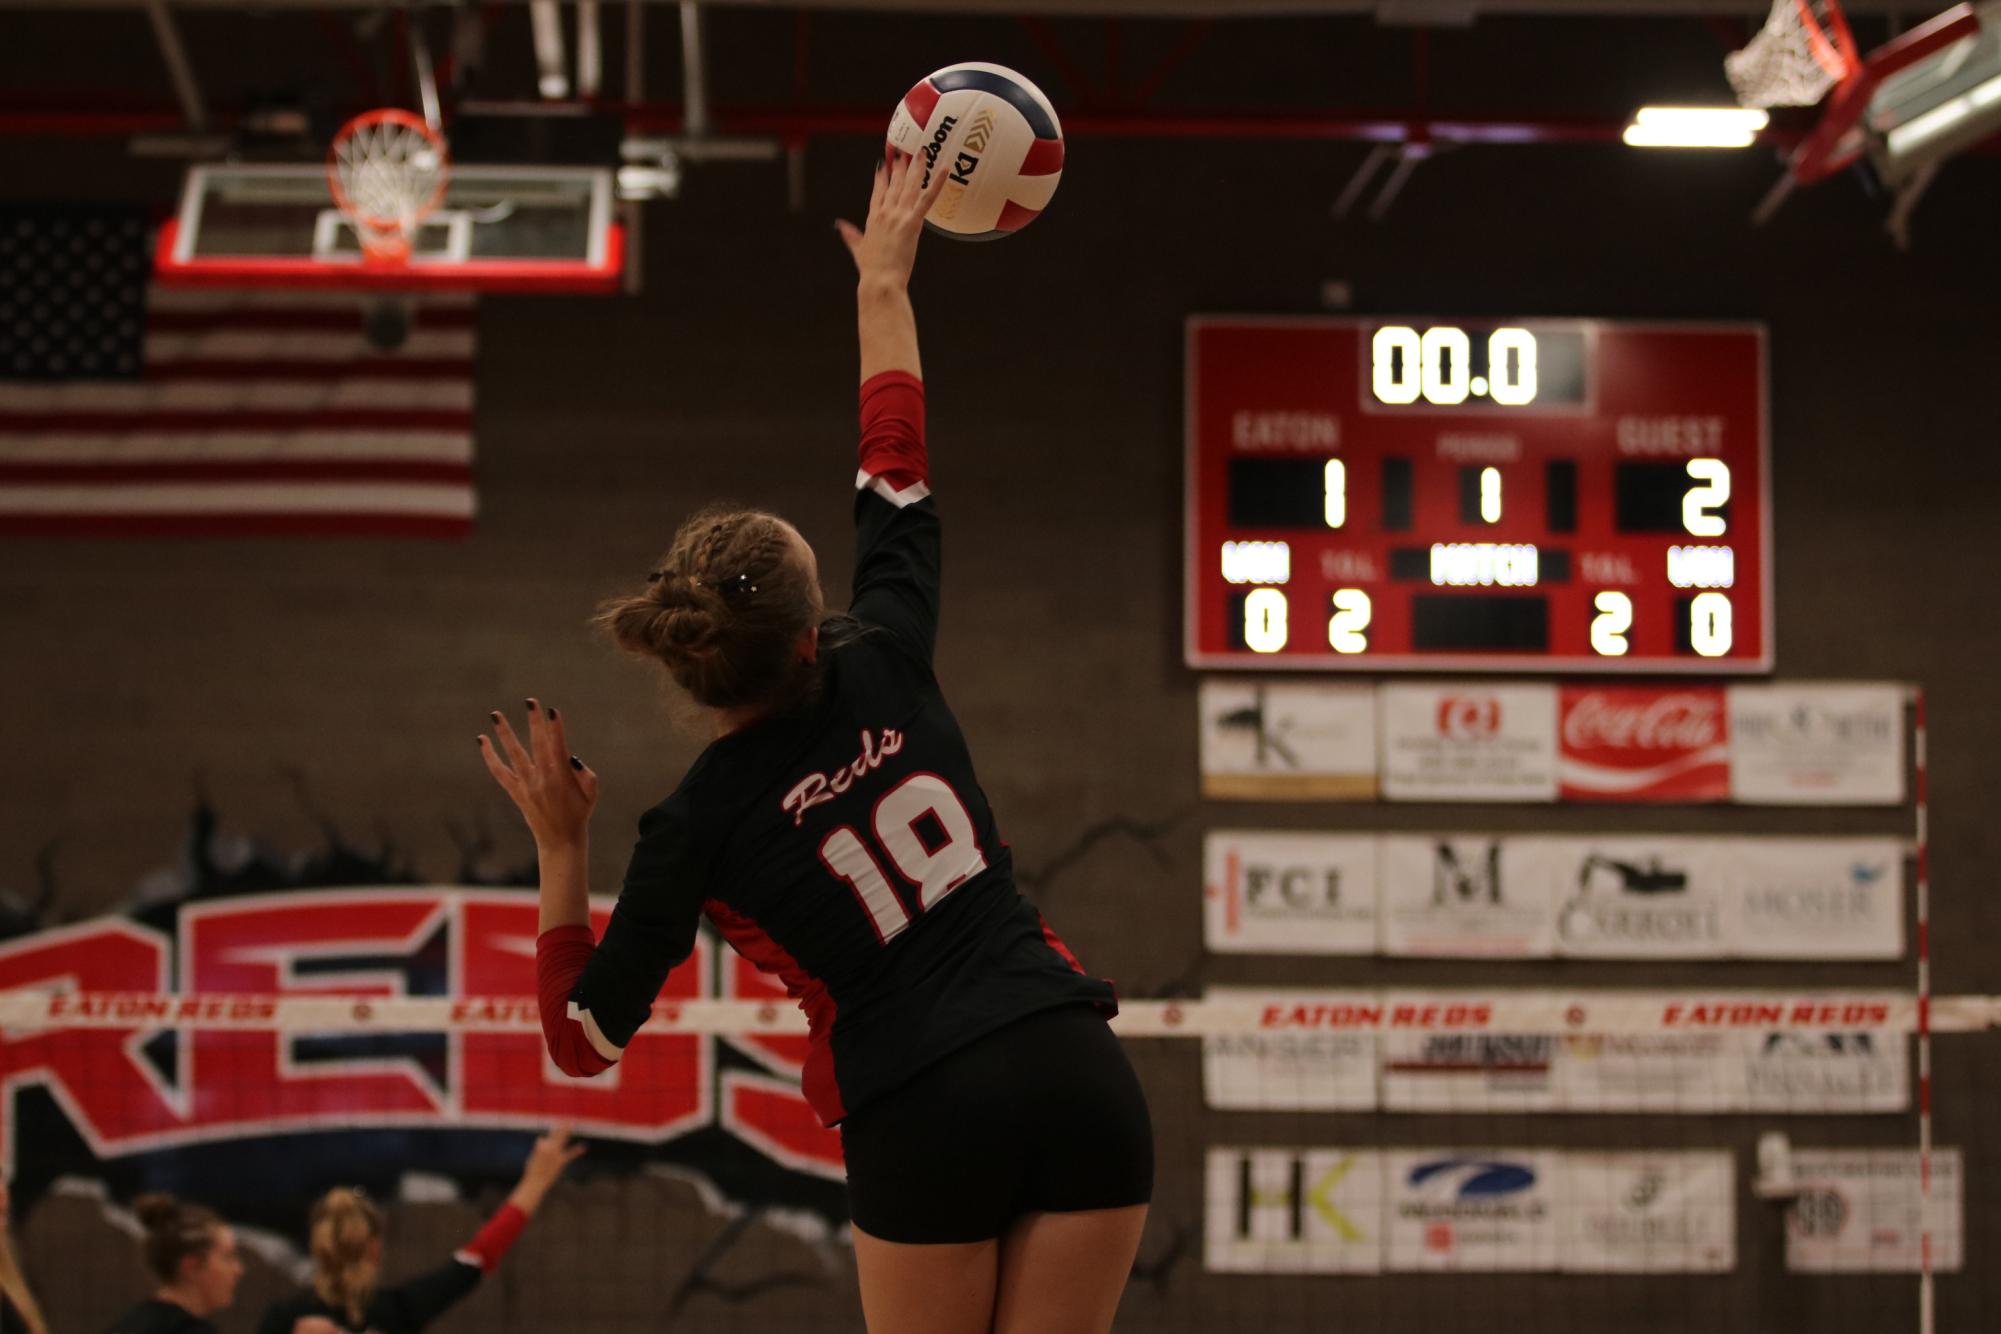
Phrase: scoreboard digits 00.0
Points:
(1500, 495)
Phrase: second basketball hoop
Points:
(388, 171)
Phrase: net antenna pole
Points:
(1921, 818)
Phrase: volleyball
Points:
(997, 139)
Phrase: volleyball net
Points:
(1369, 1160)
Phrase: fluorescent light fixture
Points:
(1695, 127)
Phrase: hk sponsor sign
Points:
(1287, 741)
(1334, 1211)
(1286, 893)
(1620, 743)
(1648, 1213)
(1480, 896)
(1293, 1211)
(1865, 1211)
(1306, 1069)
(1483, 1211)
(1469, 742)
(1817, 745)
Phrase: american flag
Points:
(133, 410)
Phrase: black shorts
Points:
(1044, 1115)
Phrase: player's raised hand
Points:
(886, 247)
(552, 1153)
(553, 789)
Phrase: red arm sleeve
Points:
(491, 1242)
(893, 461)
(560, 955)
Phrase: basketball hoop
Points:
(387, 170)
(1803, 50)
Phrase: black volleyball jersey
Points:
(844, 845)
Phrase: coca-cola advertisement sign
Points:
(1634, 743)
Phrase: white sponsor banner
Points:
(1641, 898)
(1827, 898)
(1862, 1211)
(1469, 742)
(1674, 1073)
(1287, 740)
(1817, 745)
(1293, 1211)
(1304, 1070)
(1856, 1071)
(1454, 895)
(1651, 1213)
(1484, 1209)
(1286, 893)
(1470, 1072)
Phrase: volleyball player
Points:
(346, 1243)
(999, 1156)
(19, 1312)
(193, 1254)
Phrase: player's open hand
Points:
(554, 790)
(886, 248)
(552, 1153)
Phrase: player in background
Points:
(346, 1243)
(18, 1312)
(999, 1155)
(193, 1254)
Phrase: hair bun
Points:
(156, 1210)
(723, 609)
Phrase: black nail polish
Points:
(529, 704)
(552, 715)
(576, 763)
(495, 715)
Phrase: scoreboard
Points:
(1477, 494)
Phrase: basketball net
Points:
(1803, 50)
(387, 170)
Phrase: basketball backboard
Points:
(534, 228)
(1938, 106)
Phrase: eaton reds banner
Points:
(208, 1074)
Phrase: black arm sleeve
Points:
(411, 1305)
(652, 929)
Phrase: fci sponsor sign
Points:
(1289, 893)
